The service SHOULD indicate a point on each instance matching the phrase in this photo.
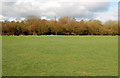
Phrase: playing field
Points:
(60, 55)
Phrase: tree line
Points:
(64, 26)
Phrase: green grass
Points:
(59, 55)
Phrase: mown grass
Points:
(60, 55)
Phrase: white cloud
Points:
(105, 16)
(62, 0)
(50, 8)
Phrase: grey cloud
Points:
(51, 9)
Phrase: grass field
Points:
(60, 55)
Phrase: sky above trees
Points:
(102, 10)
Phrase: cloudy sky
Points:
(47, 9)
